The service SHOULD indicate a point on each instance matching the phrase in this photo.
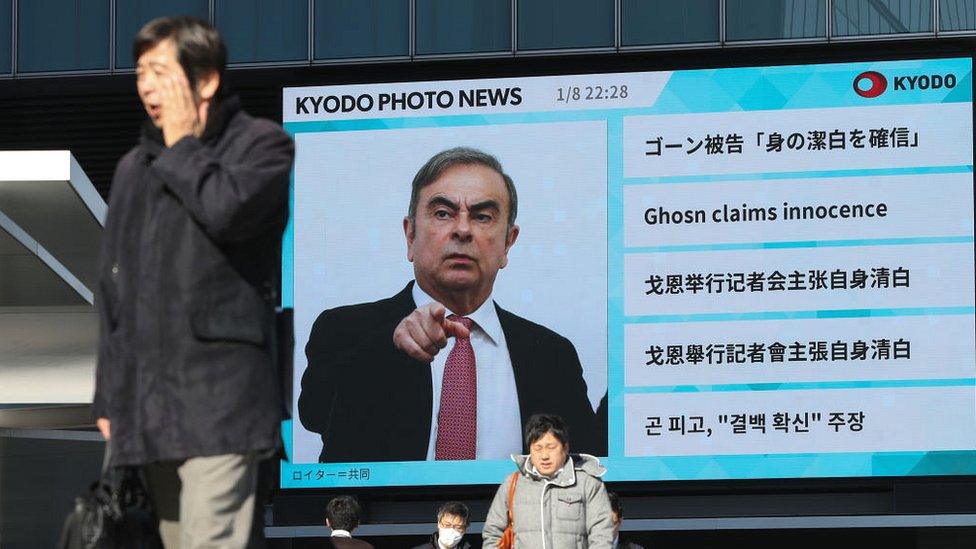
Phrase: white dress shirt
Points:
(499, 419)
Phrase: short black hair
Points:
(459, 156)
(540, 424)
(343, 513)
(199, 48)
(615, 504)
(455, 508)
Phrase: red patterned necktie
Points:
(457, 420)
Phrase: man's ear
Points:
(207, 85)
(510, 238)
(409, 231)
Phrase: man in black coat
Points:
(185, 383)
(377, 386)
(342, 515)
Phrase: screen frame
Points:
(658, 60)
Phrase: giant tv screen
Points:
(732, 273)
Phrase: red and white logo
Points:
(870, 84)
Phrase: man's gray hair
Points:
(459, 156)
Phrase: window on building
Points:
(867, 17)
(560, 24)
(263, 30)
(775, 19)
(463, 26)
(957, 15)
(655, 22)
(131, 15)
(62, 35)
(361, 28)
(6, 18)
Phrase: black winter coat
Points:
(187, 288)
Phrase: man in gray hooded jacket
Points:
(559, 501)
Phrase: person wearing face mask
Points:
(575, 509)
(452, 523)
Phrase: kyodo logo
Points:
(925, 82)
(870, 84)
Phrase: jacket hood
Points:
(567, 475)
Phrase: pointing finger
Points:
(456, 329)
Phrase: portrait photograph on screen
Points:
(349, 224)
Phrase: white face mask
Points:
(449, 537)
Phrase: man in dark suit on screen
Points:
(439, 371)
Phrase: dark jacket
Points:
(187, 288)
(432, 544)
(358, 386)
(338, 542)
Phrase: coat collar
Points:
(567, 475)
(218, 116)
(403, 303)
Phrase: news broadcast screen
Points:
(732, 273)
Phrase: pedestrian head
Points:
(547, 439)
(460, 224)
(452, 523)
(169, 50)
(616, 512)
(342, 513)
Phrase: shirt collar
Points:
(484, 317)
(340, 533)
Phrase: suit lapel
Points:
(402, 303)
(522, 351)
(420, 409)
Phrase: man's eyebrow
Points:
(153, 64)
(442, 201)
(489, 204)
(485, 205)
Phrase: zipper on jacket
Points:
(542, 512)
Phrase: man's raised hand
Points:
(180, 114)
(424, 332)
